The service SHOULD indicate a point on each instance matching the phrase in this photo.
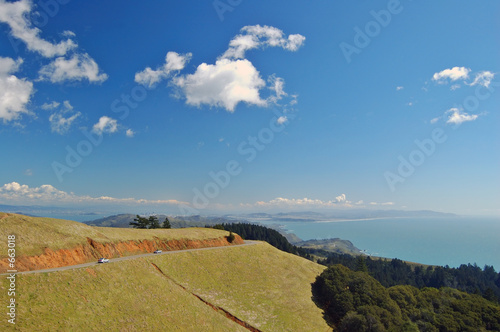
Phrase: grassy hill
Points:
(35, 234)
(259, 285)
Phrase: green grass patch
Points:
(125, 296)
(266, 287)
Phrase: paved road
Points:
(114, 260)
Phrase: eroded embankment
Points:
(92, 250)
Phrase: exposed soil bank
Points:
(93, 250)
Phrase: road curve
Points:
(114, 260)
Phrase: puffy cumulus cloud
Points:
(16, 14)
(232, 78)
(61, 120)
(105, 125)
(458, 116)
(15, 192)
(452, 74)
(223, 84)
(173, 62)
(339, 201)
(483, 78)
(77, 68)
(398, 88)
(46, 193)
(256, 36)
(15, 93)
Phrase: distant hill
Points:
(331, 245)
(123, 220)
(353, 214)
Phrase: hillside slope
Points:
(231, 288)
(259, 285)
(46, 243)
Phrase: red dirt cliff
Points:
(93, 250)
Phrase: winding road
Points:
(114, 260)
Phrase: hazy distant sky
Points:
(302, 104)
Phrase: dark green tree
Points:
(166, 223)
(230, 237)
(361, 264)
(140, 222)
(153, 222)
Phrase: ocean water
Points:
(434, 241)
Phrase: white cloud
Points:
(453, 74)
(105, 125)
(277, 85)
(458, 116)
(68, 33)
(15, 93)
(46, 193)
(76, 68)
(398, 88)
(59, 124)
(483, 78)
(434, 120)
(173, 62)
(15, 14)
(130, 133)
(282, 119)
(28, 172)
(304, 202)
(255, 36)
(224, 84)
(232, 78)
(50, 106)
(61, 121)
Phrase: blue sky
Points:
(227, 106)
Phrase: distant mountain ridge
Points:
(345, 214)
(124, 220)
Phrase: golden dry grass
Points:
(34, 234)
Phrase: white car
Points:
(158, 251)
(103, 260)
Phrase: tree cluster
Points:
(468, 278)
(149, 223)
(262, 233)
(354, 301)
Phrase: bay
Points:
(432, 241)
